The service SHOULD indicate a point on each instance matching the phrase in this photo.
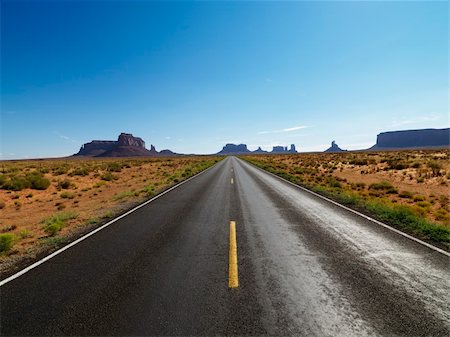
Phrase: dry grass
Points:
(90, 190)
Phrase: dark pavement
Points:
(306, 268)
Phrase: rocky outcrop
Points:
(334, 148)
(284, 149)
(127, 139)
(279, 149)
(126, 146)
(412, 139)
(234, 149)
(96, 147)
(259, 151)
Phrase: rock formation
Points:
(259, 151)
(96, 147)
(126, 146)
(334, 148)
(284, 149)
(127, 139)
(410, 139)
(234, 149)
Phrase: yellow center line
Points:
(233, 281)
(232, 181)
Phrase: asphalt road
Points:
(306, 267)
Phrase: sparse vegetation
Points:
(96, 188)
(371, 181)
(56, 222)
(67, 195)
(6, 242)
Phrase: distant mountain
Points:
(413, 139)
(334, 148)
(233, 149)
(126, 146)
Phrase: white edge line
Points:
(358, 213)
(73, 243)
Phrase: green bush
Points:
(114, 167)
(80, 171)
(124, 194)
(60, 170)
(108, 176)
(64, 184)
(34, 180)
(384, 186)
(24, 233)
(16, 183)
(405, 194)
(403, 216)
(67, 195)
(55, 223)
(38, 181)
(6, 242)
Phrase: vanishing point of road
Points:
(235, 251)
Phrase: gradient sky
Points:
(192, 76)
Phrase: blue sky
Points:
(192, 76)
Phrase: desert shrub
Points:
(397, 166)
(334, 183)
(38, 181)
(359, 161)
(6, 242)
(108, 176)
(80, 171)
(419, 197)
(64, 184)
(435, 167)
(16, 183)
(442, 215)
(405, 194)
(149, 190)
(108, 215)
(187, 172)
(349, 198)
(384, 186)
(55, 223)
(67, 195)
(404, 217)
(124, 194)
(114, 167)
(24, 233)
(54, 241)
(424, 204)
(60, 170)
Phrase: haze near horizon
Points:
(192, 76)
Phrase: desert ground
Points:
(45, 203)
(413, 183)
